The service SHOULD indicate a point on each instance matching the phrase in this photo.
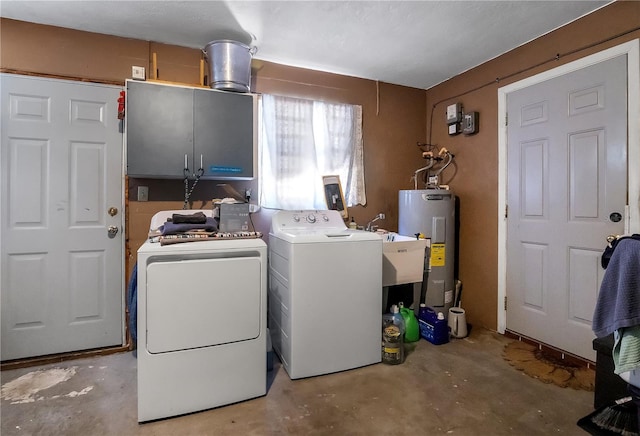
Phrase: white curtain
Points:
(304, 140)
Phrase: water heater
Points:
(432, 212)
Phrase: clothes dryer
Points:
(201, 324)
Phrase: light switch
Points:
(143, 193)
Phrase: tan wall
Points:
(476, 180)
(394, 120)
(393, 116)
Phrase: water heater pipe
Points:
(415, 174)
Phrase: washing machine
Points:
(325, 293)
(201, 324)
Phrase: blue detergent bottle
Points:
(433, 326)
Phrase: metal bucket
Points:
(229, 65)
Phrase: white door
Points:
(566, 191)
(61, 268)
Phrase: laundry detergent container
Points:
(229, 65)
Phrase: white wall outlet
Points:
(137, 73)
(143, 193)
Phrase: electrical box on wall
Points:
(470, 123)
(137, 73)
(454, 118)
(459, 122)
(454, 113)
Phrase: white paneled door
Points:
(566, 191)
(61, 217)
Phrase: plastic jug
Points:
(433, 326)
(457, 322)
(412, 330)
(392, 341)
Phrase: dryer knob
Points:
(311, 218)
(296, 218)
(325, 218)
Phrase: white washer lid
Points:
(315, 226)
(300, 236)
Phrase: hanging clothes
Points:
(132, 304)
(618, 303)
(626, 349)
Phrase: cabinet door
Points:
(224, 134)
(159, 130)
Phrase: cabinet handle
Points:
(201, 166)
(185, 171)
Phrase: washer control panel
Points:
(307, 219)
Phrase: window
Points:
(303, 140)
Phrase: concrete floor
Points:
(461, 388)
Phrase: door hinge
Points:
(505, 302)
(506, 211)
(506, 119)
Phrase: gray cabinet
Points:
(170, 128)
(224, 133)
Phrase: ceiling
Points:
(411, 43)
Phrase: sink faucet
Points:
(369, 228)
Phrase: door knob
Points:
(113, 211)
(112, 231)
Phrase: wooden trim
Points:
(56, 358)
(167, 82)
(154, 65)
(552, 351)
(60, 76)
(202, 72)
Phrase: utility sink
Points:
(402, 259)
